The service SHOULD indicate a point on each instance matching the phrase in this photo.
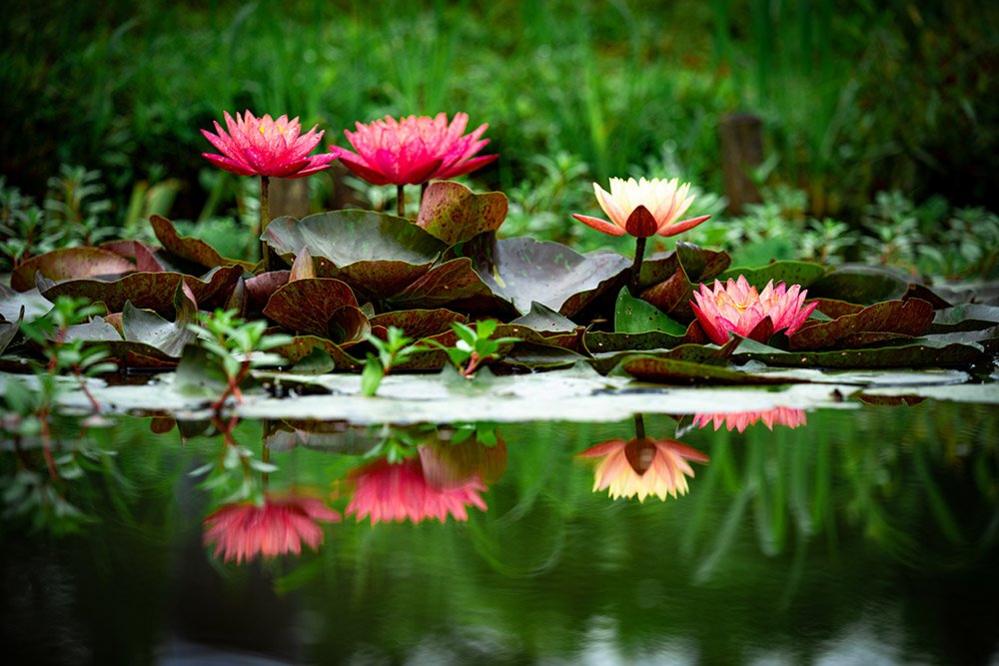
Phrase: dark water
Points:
(857, 536)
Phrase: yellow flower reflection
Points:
(642, 467)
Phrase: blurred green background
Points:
(879, 127)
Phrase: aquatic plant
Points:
(737, 307)
(394, 350)
(643, 208)
(414, 150)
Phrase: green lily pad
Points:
(418, 323)
(454, 214)
(965, 317)
(803, 273)
(634, 315)
(921, 353)
(525, 271)
(861, 284)
(661, 370)
(379, 255)
(306, 306)
(69, 263)
(189, 248)
(454, 284)
(910, 318)
(153, 291)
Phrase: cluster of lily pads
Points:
(336, 282)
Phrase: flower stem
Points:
(265, 217)
(423, 190)
(639, 427)
(636, 267)
(400, 200)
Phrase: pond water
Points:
(860, 534)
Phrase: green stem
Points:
(400, 200)
(636, 267)
(265, 217)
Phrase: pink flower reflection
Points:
(785, 416)
(643, 467)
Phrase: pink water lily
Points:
(642, 467)
(243, 531)
(788, 417)
(415, 149)
(643, 208)
(252, 146)
(396, 492)
(737, 307)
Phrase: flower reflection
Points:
(440, 481)
(642, 467)
(244, 530)
(785, 416)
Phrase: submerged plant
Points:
(475, 346)
(394, 350)
(737, 307)
(643, 208)
(414, 150)
(236, 346)
(267, 148)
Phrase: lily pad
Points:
(260, 288)
(303, 267)
(307, 306)
(189, 248)
(673, 295)
(27, 304)
(832, 307)
(418, 323)
(524, 271)
(911, 318)
(153, 291)
(454, 214)
(379, 255)
(803, 273)
(921, 353)
(698, 263)
(139, 253)
(543, 319)
(966, 317)
(69, 263)
(455, 284)
(9, 329)
(633, 315)
(170, 337)
(674, 371)
(861, 284)
(304, 346)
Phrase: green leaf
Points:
(802, 273)
(371, 377)
(633, 315)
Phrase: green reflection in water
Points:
(835, 531)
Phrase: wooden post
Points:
(741, 136)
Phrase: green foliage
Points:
(394, 350)
(475, 346)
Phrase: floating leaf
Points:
(453, 213)
(418, 323)
(633, 315)
(966, 317)
(675, 371)
(260, 288)
(524, 271)
(302, 346)
(699, 264)
(835, 308)
(170, 337)
(9, 329)
(921, 353)
(153, 291)
(543, 319)
(139, 253)
(92, 331)
(69, 263)
(909, 318)
(803, 273)
(306, 306)
(379, 255)
(455, 284)
(189, 248)
(860, 284)
(673, 295)
(348, 325)
(303, 267)
(30, 304)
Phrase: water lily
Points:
(267, 148)
(244, 530)
(414, 150)
(642, 467)
(643, 208)
(784, 416)
(396, 492)
(737, 307)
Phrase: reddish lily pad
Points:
(260, 288)
(920, 353)
(698, 263)
(661, 370)
(189, 248)
(802, 273)
(303, 267)
(544, 319)
(835, 308)
(306, 306)
(453, 213)
(672, 296)
(379, 255)
(418, 323)
(634, 315)
(524, 271)
(912, 317)
(455, 284)
(138, 252)
(301, 346)
(153, 291)
(69, 263)
(348, 326)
